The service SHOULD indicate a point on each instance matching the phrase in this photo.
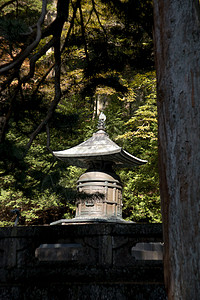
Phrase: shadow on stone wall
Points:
(82, 262)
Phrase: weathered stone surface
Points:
(85, 292)
(148, 251)
(82, 261)
(59, 252)
(98, 148)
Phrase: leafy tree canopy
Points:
(61, 62)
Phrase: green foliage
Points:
(35, 185)
(141, 186)
(12, 29)
(15, 20)
(103, 64)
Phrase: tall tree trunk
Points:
(177, 48)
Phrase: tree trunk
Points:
(177, 51)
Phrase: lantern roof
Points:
(98, 148)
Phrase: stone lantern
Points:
(100, 156)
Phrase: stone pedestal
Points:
(104, 195)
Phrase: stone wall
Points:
(81, 262)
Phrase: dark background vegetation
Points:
(60, 65)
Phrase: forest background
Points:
(62, 62)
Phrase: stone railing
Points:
(82, 261)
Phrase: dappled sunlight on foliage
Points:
(91, 56)
(141, 186)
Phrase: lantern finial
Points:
(101, 123)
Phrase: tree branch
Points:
(35, 57)
(62, 16)
(71, 25)
(83, 34)
(54, 102)
(57, 88)
(48, 138)
(97, 15)
(42, 80)
(6, 4)
(29, 48)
